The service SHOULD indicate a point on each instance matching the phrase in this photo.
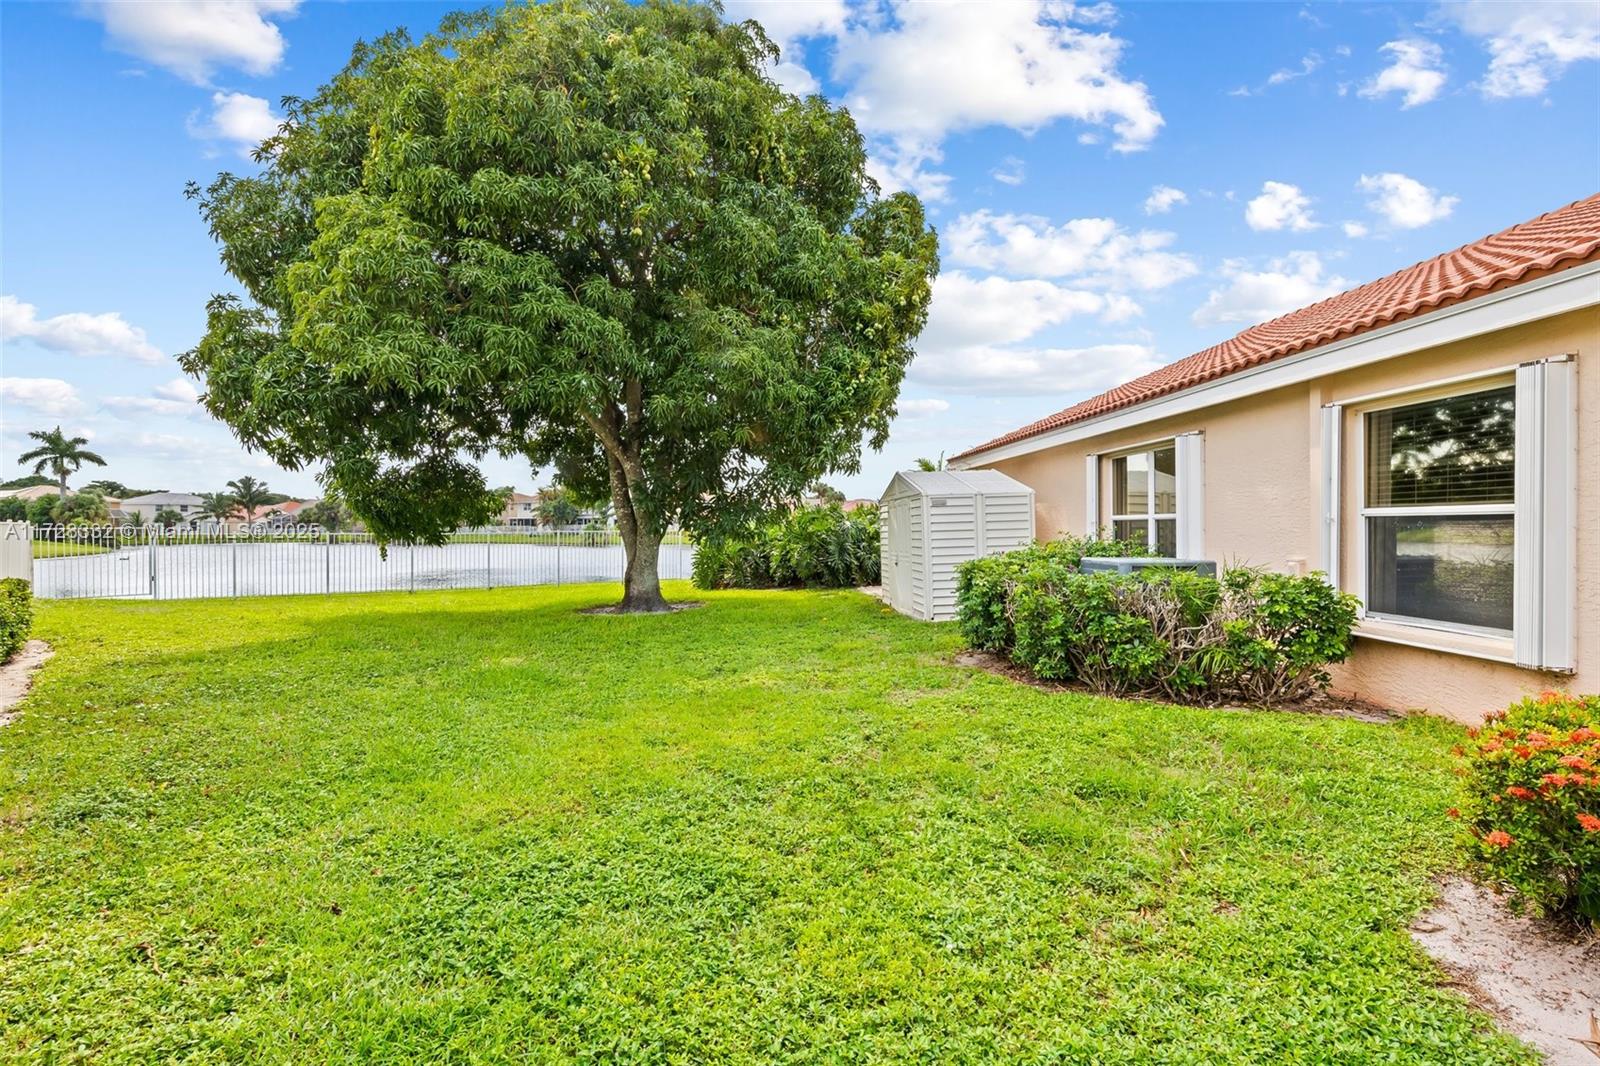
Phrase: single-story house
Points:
(1430, 441)
(31, 493)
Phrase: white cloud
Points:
(788, 23)
(177, 398)
(1011, 171)
(1280, 206)
(1287, 284)
(1416, 71)
(1405, 202)
(1024, 371)
(76, 333)
(1308, 64)
(1163, 198)
(46, 396)
(978, 329)
(1530, 44)
(1354, 229)
(1095, 250)
(238, 118)
(195, 38)
(917, 72)
(921, 408)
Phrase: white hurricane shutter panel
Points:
(1332, 472)
(1546, 503)
(1189, 465)
(1091, 495)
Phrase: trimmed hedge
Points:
(16, 615)
(1532, 781)
(1247, 636)
(811, 547)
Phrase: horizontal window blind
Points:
(1457, 450)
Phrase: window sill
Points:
(1471, 645)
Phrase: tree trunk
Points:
(61, 482)
(641, 585)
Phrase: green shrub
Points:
(1533, 802)
(1251, 636)
(983, 586)
(811, 547)
(16, 615)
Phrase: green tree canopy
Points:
(216, 505)
(59, 454)
(557, 506)
(586, 232)
(250, 495)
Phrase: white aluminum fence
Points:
(145, 562)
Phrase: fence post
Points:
(558, 556)
(488, 560)
(411, 555)
(327, 569)
(150, 546)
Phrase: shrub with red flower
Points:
(1532, 781)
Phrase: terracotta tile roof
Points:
(1563, 238)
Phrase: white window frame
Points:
(1151, 517)
(1366, 512)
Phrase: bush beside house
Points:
(16, 615)
(811, 547)
(1532, 807)
(1248, 635)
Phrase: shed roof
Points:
(955, 483)
(1565, 237)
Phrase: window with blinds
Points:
(1439, 510)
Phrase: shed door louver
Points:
(1546, 491)
(1332, 447)
(1190, 462)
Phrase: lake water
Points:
(277, 568)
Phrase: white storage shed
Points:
(934, 519)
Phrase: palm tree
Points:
(216, 505)
(250, 495)
(931, 464)
(60, 454)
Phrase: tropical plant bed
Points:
(783, 827)
(1328, 703)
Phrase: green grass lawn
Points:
(55, 549)
(476, 826)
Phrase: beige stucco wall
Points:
(1263, 464)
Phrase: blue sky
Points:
(1115, 186)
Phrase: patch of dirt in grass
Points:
(672, 608)
(16, 677)
(1323, 703)
(1539, 980)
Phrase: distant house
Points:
(844, 505)
(521, 509)
(32, 492)
(1428, 441)
(142, 510)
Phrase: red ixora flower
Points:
(1523, 751)
(1590, 823)
(1453, 812)
(1520, 793)
(1575, 762)
(1582, 734)
(1499, 839)
(1554, 780)
(1550, 695)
